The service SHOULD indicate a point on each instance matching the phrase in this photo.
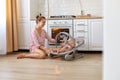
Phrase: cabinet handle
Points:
(81, 31)
(81, 37)
(81, 25)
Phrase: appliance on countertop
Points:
(63, 16)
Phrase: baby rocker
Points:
(70, 54)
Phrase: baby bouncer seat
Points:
(70, 54)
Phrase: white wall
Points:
(2, 27)
(66, 7)
(111, 40)
(37, 7)
(73, 7)
(34, 8)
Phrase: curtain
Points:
(11, 26)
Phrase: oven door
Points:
(54, 30)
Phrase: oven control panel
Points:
(60, 22)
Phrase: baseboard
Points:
(90, 52)
(23, 50)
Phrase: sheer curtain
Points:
(11, 26)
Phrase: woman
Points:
(37, 41)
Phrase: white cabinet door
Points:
(23, 35)
(23, 23)
(95, 34)
(32, 25)
(23, 9)
(81, 31)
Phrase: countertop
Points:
(77, 17)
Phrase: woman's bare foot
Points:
(20, 56)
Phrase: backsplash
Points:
(68, 7)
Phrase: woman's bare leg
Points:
(38, 54)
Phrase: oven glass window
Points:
(55, 31)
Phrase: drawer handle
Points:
(81, 31)
(81, 25)
(81, 37)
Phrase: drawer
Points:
(81, 35)
(81, 28)
(84, 46)
(83, 22)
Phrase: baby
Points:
(64, 46)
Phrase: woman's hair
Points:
(39, 18)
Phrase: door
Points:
(95, 34)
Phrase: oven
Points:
(56, 26)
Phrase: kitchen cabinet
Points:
(81, 31)
(23, 36)
(23, 23)
(95, 34)
(91, 30)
